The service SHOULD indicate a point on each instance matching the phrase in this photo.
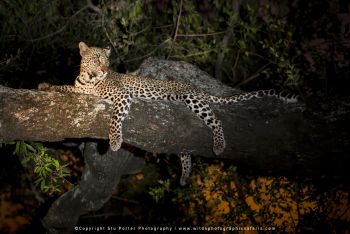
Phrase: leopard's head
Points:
(94, 62)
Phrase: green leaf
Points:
(47, 168)
(56, 163)
(30, 148)
(42, 185)
(124, 21)
(16, 151)
(23, 148)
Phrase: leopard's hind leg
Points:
(202, 109)
(186, 165)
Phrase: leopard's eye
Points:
(97, 59)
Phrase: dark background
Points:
(299, 46)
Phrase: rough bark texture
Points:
(262, 133)
(100, 176)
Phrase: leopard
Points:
(96, 78)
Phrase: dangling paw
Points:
(115, 143)
(186, 164)
(219, 146)
(218, 150)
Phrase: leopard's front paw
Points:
(44, 86)
(219, 145)
(115, 143)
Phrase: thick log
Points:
(262, 133)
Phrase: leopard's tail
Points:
(286, 97)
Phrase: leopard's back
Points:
(148, 88)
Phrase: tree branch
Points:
(100, 176)
(264, 133)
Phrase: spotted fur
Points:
(96, 79)
(186, 164)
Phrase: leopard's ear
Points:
(107, 50)
(83, 48)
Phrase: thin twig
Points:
(61, 29)
(106, 32)
(141, 31)
(252, 77)
(93, 7)
(176, 29)
(140, 57)
(236, 61)
(148, 54)
(191, 55)
(178, 22)
(201, 34)
(163, 26)
(221, 55)
(262, 57)
(344, 213)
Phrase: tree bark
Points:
(263, 133)
(100, 177)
